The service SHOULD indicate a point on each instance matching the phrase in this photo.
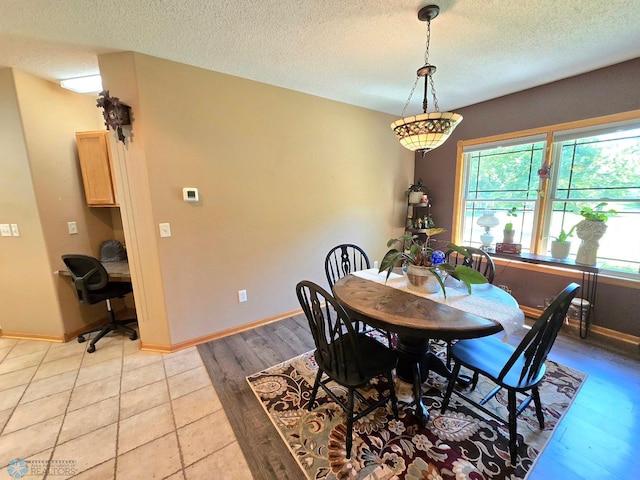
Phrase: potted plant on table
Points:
(561, 246)
(590, 230)
(426, 268)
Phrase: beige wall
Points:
(283, 177)
(41, 191)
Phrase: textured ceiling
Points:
(362, 52)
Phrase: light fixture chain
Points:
(426, 53)
(410, 95)
(433, 92)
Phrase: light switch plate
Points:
(14, 230)
(165, 230)
(5, 230)
(73, 228)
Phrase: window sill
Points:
(606, 278)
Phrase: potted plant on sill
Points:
(561, 246)
(590, 230)
(426, 269)
(508, 231)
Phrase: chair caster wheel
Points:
(134, 336)
(91, 349)
(81, 339)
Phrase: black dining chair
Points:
(91, 283)
(341, 261)
(479, 260)
(345, 356)
(517, 369)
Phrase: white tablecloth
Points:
(486, 300)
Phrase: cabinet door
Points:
(97, 168)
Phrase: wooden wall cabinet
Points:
(96, 164)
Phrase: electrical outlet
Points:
(5, 230)
(375, 264)
(165, 229)
(73, 228)
(242, 296)
(14, 230)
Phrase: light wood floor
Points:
(597, 439)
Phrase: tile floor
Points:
(116, 413)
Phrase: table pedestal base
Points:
(415, 361)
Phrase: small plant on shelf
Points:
(513, 212)
(596, 214)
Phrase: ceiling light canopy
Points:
(429, 130)
(90, 84)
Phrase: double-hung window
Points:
(538, 183)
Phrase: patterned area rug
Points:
(464, 443)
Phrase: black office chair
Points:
(517, 369)
(345, 356)
(91, 283)
(480, 261)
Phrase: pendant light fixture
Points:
(429, 130)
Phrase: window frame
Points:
(551, 132)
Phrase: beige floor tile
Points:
(4, 351)
(87, 419)
(10, 397)
(104, 471)
(4, 417)
(27, 414)
(63, 350)
(94, 392)
(132, 346)
(36, 466)
(20, 377)
(196, 439)
(29, 441)
(137, 358)
(157, 459)
(139, 377)
(88, 450)
(57, 367)
(189, 381)
(49, 386)
(195, 405)
(110, 349)
(11, 364)
(90, 373)
(226, 464)
(24, 347)
(177, 476)
(143, 398)
(145, 427)
(182, 361)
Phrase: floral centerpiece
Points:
(418, 255)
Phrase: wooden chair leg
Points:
(394, 398)
(513, 427)
(536, 401)
(349, 413)
(314, 392)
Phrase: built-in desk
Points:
(118, 271)
(589, 280)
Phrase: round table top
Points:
(404, 313)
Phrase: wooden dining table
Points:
(416, 320)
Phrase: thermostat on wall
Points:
(190, 194)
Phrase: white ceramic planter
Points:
(560, 250)
(421, 280)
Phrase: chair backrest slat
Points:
(535, 346)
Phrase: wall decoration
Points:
(116, 114)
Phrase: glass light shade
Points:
(426, 131)
(488, 220)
